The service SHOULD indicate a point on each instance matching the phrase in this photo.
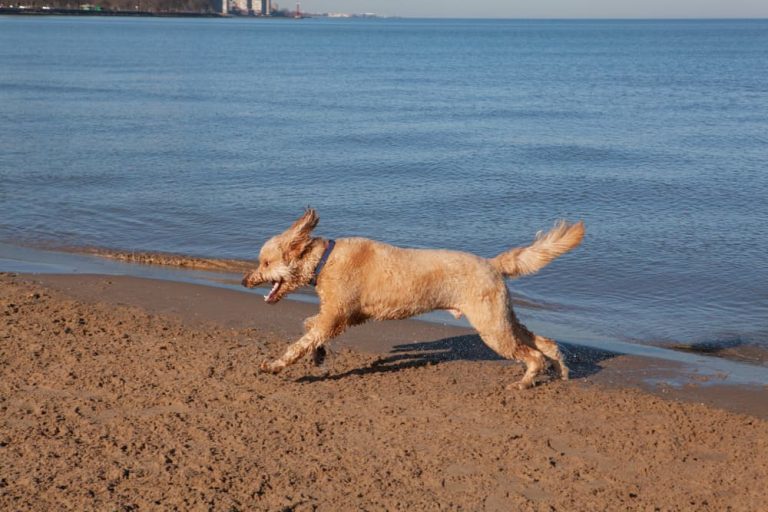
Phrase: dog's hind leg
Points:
(524, 350)
(501, 331)
(553, 353)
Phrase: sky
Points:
(545, 8)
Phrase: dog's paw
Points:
(273, 368)
(521, 385)
(318, 356)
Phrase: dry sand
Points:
(129, 394)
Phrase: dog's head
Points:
(281, 260)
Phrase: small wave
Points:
(735, 350)
(523, 301)
(166, 259)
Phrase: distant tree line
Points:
(134, 6)
(200, 6)
(138, 7)
(161, 5)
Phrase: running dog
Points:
(359, 280)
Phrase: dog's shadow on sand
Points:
(582, 361)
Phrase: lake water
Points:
(206, 136)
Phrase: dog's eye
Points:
(266, 263)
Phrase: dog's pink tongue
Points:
(272, 292)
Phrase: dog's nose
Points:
(252, 279)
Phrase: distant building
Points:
(240, 6)
(266, 7)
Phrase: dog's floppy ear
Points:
(300, 232)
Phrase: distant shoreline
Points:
(37, 11)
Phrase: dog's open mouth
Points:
(272, 297)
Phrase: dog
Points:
(358, 279)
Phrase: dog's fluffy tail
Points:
(546, 247)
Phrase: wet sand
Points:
(123, 393)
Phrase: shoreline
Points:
(120, 392)
(226, 273)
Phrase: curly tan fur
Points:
(368, 280)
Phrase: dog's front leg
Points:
(312, 340)
(318, 353)
(310, 322)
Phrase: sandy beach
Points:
(121, 393)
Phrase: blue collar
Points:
(321, 263)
